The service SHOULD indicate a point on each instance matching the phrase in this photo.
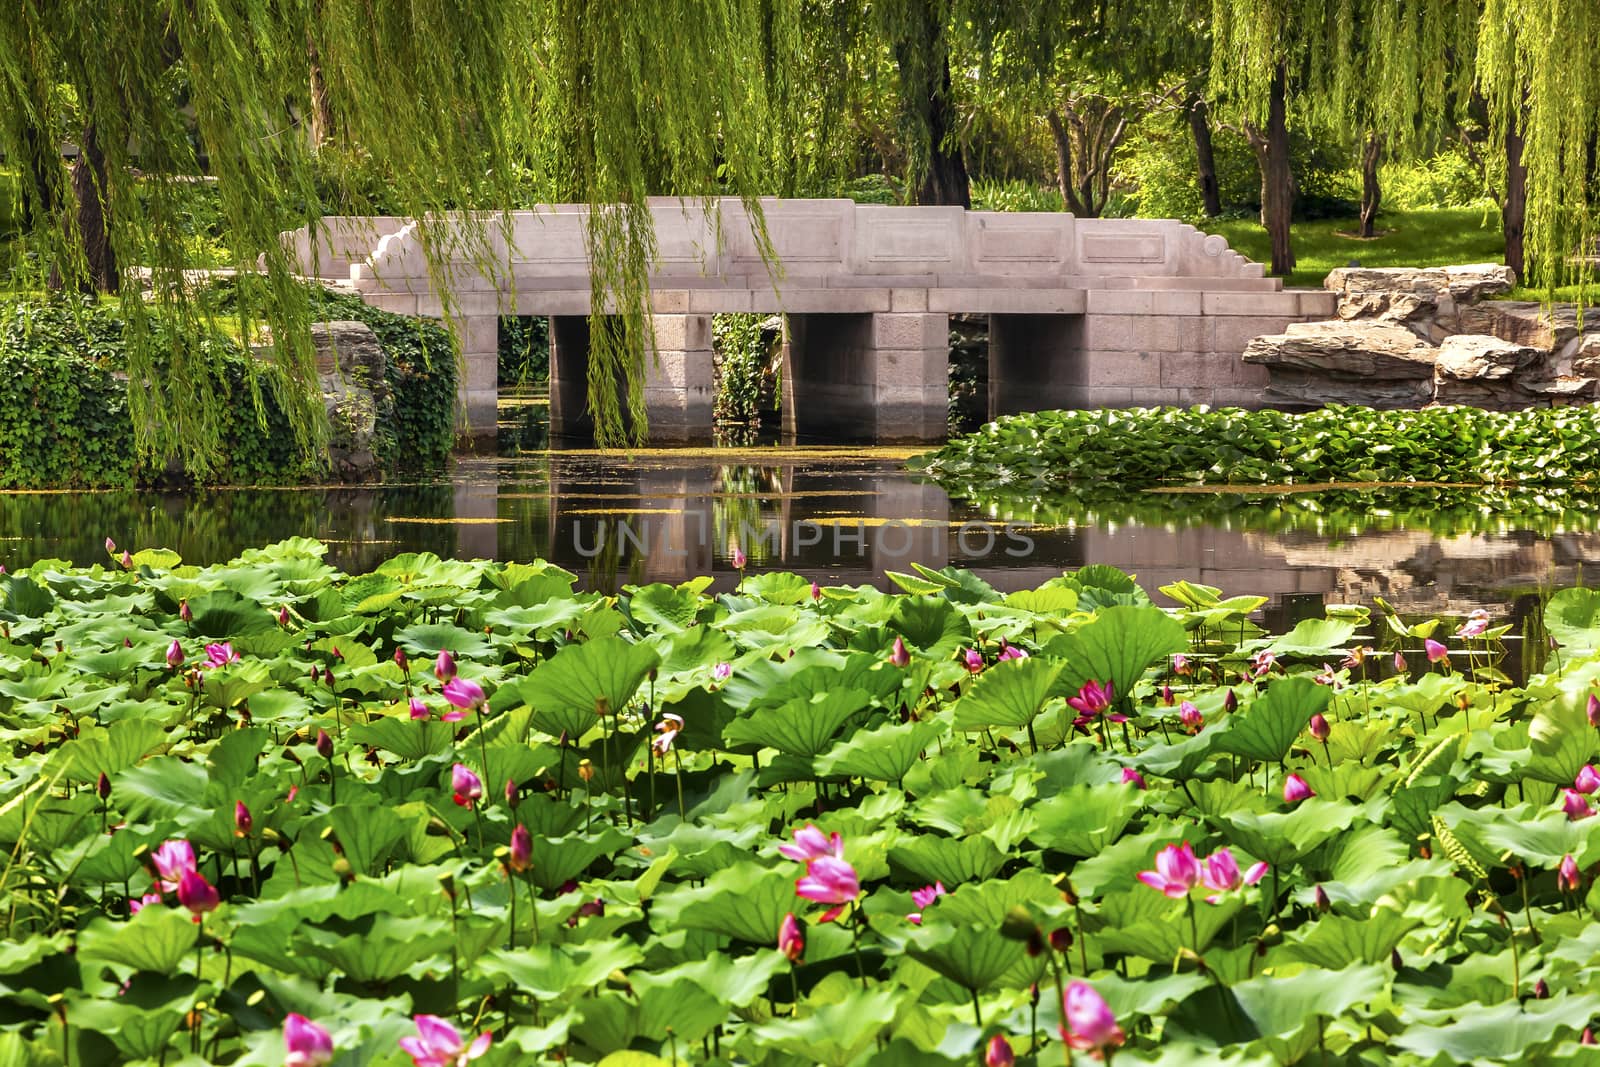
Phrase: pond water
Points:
(845, 516)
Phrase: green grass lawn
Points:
(1427, 238)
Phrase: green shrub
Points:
(746, 375)
(524, 350)
(1448, 179)
(1015, 196)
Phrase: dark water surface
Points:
(843, 516)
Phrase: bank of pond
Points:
(452, 811)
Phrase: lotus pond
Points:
(267, 812)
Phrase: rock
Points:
(1489, 373)
(352, 371)
(1525, 322)
(1586, 356)
(1426, 299)
(1378, 364)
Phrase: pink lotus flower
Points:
(1180, 664)
(1295, 789)
(1094, 699)
(721, 672)
(171, 861)
(1222, 874)
(1132, 777)
(438, 1044)
(220, 655)
(419, 710)
(521, 849)
(999, 1053)
(791, 941)
(666, 731)
(739, 559)
(1328, 677)
(174, 654)
(1087, 1020)
(1574, 804)
(1476, 624)
(1262, 662)
(1567, 877)
(1191, 718)
(444, 668)
(1356, 658)
(1319, 727)
(308, 1044)
(1436, 651)
(1012, 652)
(810, 843)
(829, 880)
(1587, 781)
(197, 894)
(1177, 871)
(466, 785)
(923, 898)
(136, 906)
(898, 654)
(460, 693)
(973, 659)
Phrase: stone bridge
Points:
(1082, 312)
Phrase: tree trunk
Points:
(1063, 142)
(1277, 179)
(1205, 162)
(946, 179)
(319, 125)
(1514, 208)
(92, 213)
(1371, 192)
(41, 201)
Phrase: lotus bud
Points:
(973, 659)
(324, 744)
(242, 821)
(1166, 695)
(513, 797)
(1061, 939)
(1593, 710)
(521, 849)
(1394, 959)
(816, 591)
(185, 612)
(1587, 781)
(1541, 990)
(444, 666)
(400, 659)
(1133, 778)
(1230, 702)
(1587, 1038)
(308, 1044)
(102, 786)
(1568, 879)
(1180, 664)
(1295, 789)
(791, 939)
(1399, 663)
(336, 654)
(283, 615)
(739, 559)
(316, 675)
(419, 710)
(174, 654)
(127, 560)
(586, 770)
(465, 784)
(999, 1053)
(898, 654)
(1436, 650)
(327, 676)
(111, 547)
(1324, 905)
(197, 894)
(1319, 727)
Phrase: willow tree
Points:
(1390, 67)
(452, 106)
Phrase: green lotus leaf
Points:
(1008, 694)
(143, 1018)
(1118, 646)
(558, 860)
(1502, 1032)
(802, 727)
(1280, 838)
(835, 1033)
(1265, 728)
(563, 690)
(745, 901)
(1572, 617)
(424, 641)
(947, 860)
(884, 754)
(930, 625)
(1083, 819)
(1314, 637)
(974, 958)
(158, 939)
(376, 948)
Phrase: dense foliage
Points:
(748, 369)
(267, 804)
(1133, 448)
(524, 350)
(64, 383)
